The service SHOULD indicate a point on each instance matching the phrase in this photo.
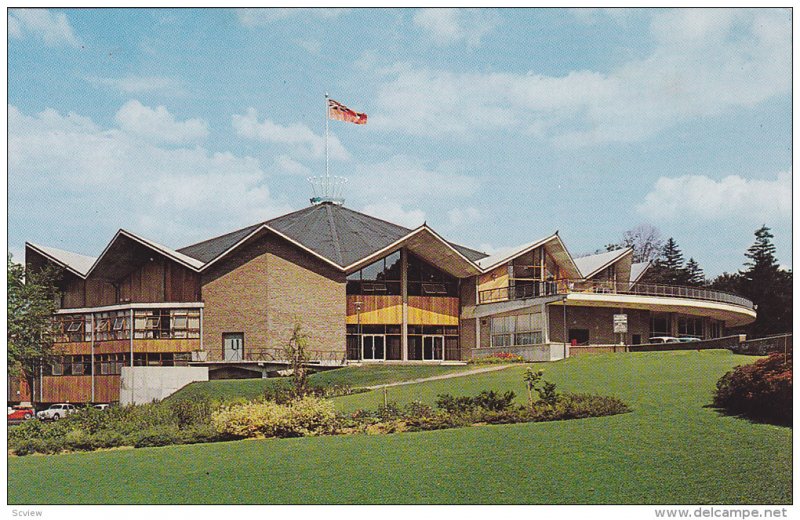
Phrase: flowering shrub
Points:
(306, 416)
(496, 359)
(761, 391)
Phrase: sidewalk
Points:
(443, 376)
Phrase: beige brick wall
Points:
(466, 340)
(261, 288)
(600, 322)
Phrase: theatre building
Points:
(365, 290)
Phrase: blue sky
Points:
(497, 127)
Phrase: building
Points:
(365, 290)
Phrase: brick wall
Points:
(262, 287)
(466, 340)
(600, 323)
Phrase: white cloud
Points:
(172, 195)
(450, 26)
(52, 28)
(254, 17)
(158, 124)
(289, 165)
(463, 216)
(703, 63)
(698, 196)
(138, 84)
(296, 135)
(394, 212)
(410, 180)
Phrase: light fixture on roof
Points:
(327, 188)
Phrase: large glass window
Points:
(426, 280)
(690, 327)
(659, 325)
(520, 330)
(380, 278)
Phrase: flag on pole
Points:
(339, 112)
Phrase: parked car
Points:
(688, 339)
(18, 414)
(101, 406)
(56, 412)
(664, 339)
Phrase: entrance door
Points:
(373, 347)
(233, 346)
(433, 348)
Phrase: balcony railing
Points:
(528, 289)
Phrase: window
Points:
(380, 277)
(75, 326)
(434, 288)
(520, 330)
(690, 327)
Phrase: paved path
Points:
(443, 376)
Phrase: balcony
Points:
(523, 289)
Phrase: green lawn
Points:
(355, 376)
(672, 448)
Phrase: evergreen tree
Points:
(693, 273)
(668, 268)
(769, 287)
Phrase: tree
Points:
(296, 352)
(694, 274)
(768, 286)
(646, 242)
(668, 268)
(644, 239)
(32, 297)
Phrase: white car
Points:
(56, 412)
(664, 339)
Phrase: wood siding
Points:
(430, 310)
(160, 281)
(66, 389)
(122, 346)
(375, 310)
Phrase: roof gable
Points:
(589, 265)
(77, 263)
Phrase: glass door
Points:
(373, 347)
(433, 348)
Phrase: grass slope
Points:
(671, 449)
(355, 376)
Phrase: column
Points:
(404, 292)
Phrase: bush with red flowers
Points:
(761, 391)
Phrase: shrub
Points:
(496, 359)
(157, 436)
(487, 400)
(306, 416)
(195, 412)
(760, 391)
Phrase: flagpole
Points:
(327, 171)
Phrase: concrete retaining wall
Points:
(551, 352)
(139, 385)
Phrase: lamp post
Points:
(564, 303)
(358, 320)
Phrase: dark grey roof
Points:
(339, 234)
(208, 250)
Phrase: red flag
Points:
(339, 112)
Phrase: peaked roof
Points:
(589, 265)
(79, 264)
(338, 234)
(637, 270)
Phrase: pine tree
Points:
(669, 268)
(769, 287)
(694, 275)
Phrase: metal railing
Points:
(526, 289)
